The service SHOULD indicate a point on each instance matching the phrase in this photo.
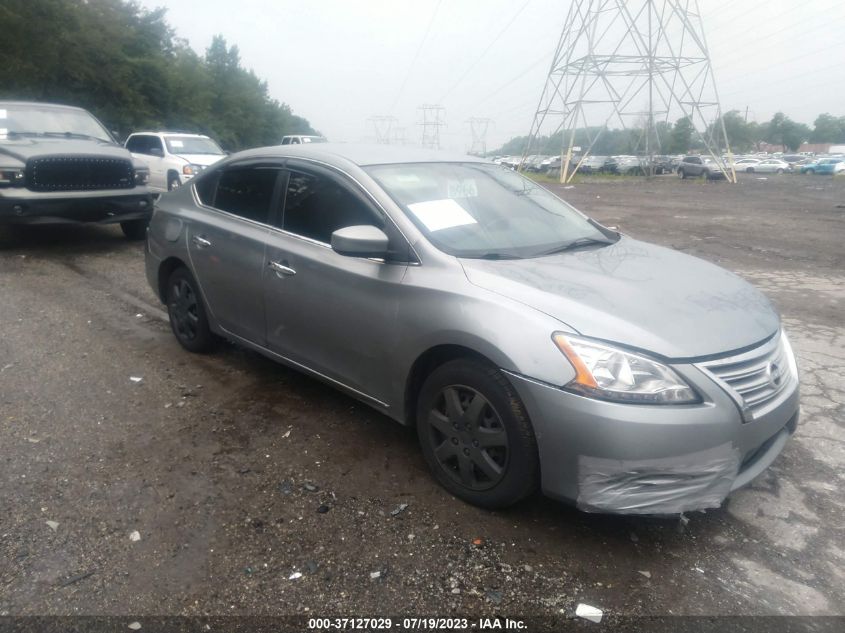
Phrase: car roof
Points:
(360, 154)
(172, 134)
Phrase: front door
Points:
(333, 314)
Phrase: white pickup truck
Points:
(173, 157)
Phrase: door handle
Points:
(281, 269)
(201, 242)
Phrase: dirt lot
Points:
(237, 473)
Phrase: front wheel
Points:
(750, 170)
(475, 435)
(780, 171)
(186, 310)
(811, 171)
(134, 229)
(173, 182)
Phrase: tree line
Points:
(126, 65)
(680, 137)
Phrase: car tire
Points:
(489, 460)
(779, 171)
(134, 229)
(682, 174)
(812, 172)
(173, 182)
(186, 310)
(750, 170)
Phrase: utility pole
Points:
(614, 57)
(432, 121)
(478, 128)
(383, 126)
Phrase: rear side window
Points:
(316, 206)
(246, 192)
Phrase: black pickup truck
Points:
(59, 164)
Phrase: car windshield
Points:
(477, 210)
(35, 120)
(191, 145)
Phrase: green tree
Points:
(783, 131)
(828, 129)
(681, 136)
(125, 64)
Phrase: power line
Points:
(486, 50)
(416, 55)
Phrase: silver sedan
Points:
(531, 347)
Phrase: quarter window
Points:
(246, 192)
(316, 206)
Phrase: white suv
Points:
(173, 157)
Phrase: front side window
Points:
(246, 192)
(480, 210)
(316, 206)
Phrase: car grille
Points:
(79, 173)
(754, 379)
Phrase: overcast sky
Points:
(340, 62)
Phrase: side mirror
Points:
(360, 241)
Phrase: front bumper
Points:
(105, 207)
(641, 459)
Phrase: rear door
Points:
(227, 244)
(333, 314)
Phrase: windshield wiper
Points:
(581, 241)
(495, 256)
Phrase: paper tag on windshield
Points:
(3, 114)
(175, 143)
(437, 215)
(463, 188)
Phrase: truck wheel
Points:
(173, 182)
(134, 229)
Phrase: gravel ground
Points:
(226, 484)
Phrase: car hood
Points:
(639, 295)
(201, 159)
(23, 149)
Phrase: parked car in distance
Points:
(173, 157)
(301, 139)
(700, 167)
(830, 166)
(59, 164)
(769, 166)
(743, 164)
(592, 164)
(449, 294)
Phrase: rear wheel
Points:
(475, 435)
(750, 170)
(681, 174)
(134, 229)
(811, 171)
(186, 310)
(780, 171)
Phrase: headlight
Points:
(790, 356)
(191, 170)
(142, 176)
(11, 177)
(609, 373)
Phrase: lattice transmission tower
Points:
(630, 63)
(478, 128)
(383, 125)
(432, 121)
